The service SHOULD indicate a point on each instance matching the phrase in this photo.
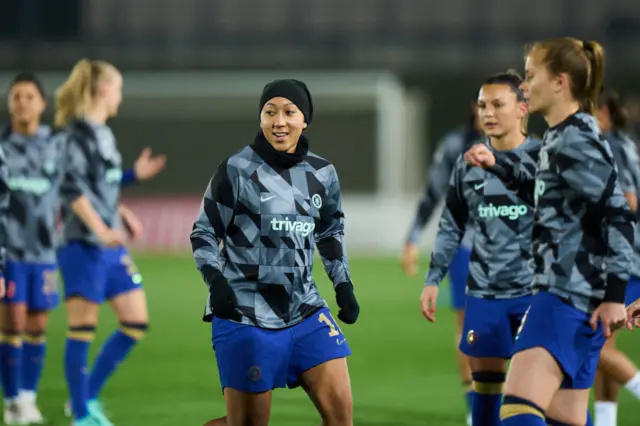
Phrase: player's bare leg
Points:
(329, 387)
(533, 379)
(14, 316)
(606, 391)
(463, 361)
(131, 306)
(246, 409)
(569, 406)
(615, 369)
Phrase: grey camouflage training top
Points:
(625, 152)
(93, 170)
(584, 231)
(35, 165)
(258, 225)
(501, 223)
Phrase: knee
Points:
(14, 320)
(339, 409)
(36, 324)
(135, 330)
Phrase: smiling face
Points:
(499, 110)
(282, 124)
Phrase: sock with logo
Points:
(633, 385)
(606, 413)
(113, 352)
(34, 350)
(517, 411)
(487, 398)
(76, 356)
(10, 365)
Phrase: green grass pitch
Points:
(402, 369)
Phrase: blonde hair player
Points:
(582, 239)
(93, 260)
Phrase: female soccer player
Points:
(35, 171)
(269, 204)
(499, 284)
(582, 239)
(615, 368)
(93, 261)
(452, 145)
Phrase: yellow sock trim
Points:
(488, 388)
(512, 410)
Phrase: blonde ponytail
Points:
(595, 55)
(75, 96)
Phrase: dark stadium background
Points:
(402, 369)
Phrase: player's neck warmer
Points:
(279, 159)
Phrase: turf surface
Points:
(403, 370)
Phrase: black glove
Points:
(349, 308)
(222, 299)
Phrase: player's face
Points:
(499, 111)
(539, 86)
(26, 105)
(110, 90)
(282, 124)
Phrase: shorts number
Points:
(50, 282)
(333, 330)
(128, 263)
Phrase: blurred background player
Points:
(581, 268)
(35, 170)
(92, 250)
(615, 368)
(270, 204)
(452, 145)
(499, 284)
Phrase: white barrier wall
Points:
(374, 226)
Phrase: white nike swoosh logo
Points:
(340, 342)
(480, 185)
(263, 199)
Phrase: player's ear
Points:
(523, 109)
(305, 126)
(560, 81)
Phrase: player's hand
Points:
(479, 155)
(410, 259)
(612, 316)
(428, 301)
(223, 301)
(131, 223)
(3, 288)
(346, 300)
(633, 315)
(148, 165)
(112, 238)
